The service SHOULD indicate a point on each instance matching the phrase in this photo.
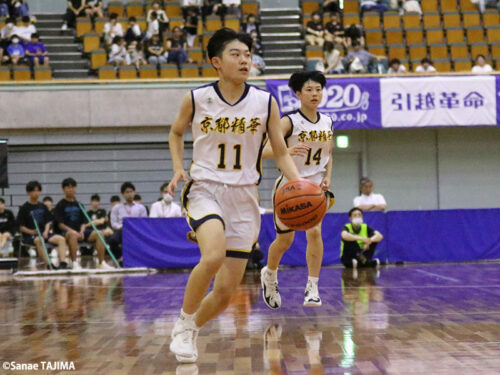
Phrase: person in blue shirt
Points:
(16, 51)
(36, 51)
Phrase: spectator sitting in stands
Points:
(70, 223)
(98, 216)
(165, 207)
(373, 5)
(425, 66)
(153, 26)
(332, 60)
(368, 200)
(93, 9)
(176, 48)
(118, 52)
(49, 203)
(360, 60)
(191, 27)
(190, 4)
(483, 4)
(359, 242)
(112, 28)
(231, 7)
(135, 56)
(33, 208)
(480, 65)
(7, 32)
(256, 44)
(15, 52)
(334, 30)
(250, 24)
(7, 229)
(161, 17)
(331, 6)
(258, 63)
(122, 210)
(113, 201)
(75, 9)
(133, 32)
(352, 33)
(208, 8)
(36, 51)
(25, 31)
(395, 67)
(138, 200)
(315, 31)
(155, 51)
(21, 9)
(4, 8)
(412, 6)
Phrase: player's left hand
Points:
(325, 184)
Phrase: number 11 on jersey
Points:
(222, 156)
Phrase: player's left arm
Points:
(325, 184)
(283, 159)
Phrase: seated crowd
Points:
(67, 226)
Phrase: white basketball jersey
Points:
(318, 136)
(228, 139)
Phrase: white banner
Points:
(438, 101)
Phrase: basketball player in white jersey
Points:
(229, 122)
(309, 137)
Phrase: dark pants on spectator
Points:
(353, 251)
(70, 17)
(115, 243)
(381, 8)
(332, 8)
(178, 57)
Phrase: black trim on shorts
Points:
(259, 158)
(237, 254)
(195, 224)
(184, 196)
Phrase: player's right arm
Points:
(176, 142)
(286, 128)
(283, 159)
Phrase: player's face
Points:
(234, 64)
(311, 94)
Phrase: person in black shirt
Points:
(70, 222)
(49, 202)
(334, 30)
(76, 8)
(315, 31)
(34, 208)
(7, 226)
(98, 216)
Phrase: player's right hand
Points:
(298, 150)
(178, 176)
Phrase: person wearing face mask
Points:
(164, 207)
(359, 242)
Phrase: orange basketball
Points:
(300, 205)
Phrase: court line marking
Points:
(438, 276)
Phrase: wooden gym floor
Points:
(416, 319)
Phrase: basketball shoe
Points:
(311, 295)
(270, 292)
(183, 345)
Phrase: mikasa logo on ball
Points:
(298, 207)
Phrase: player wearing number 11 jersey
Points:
(229, 121)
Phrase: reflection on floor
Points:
(419, 319)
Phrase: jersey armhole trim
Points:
(268, 111)
(192, 103)
(289, 134)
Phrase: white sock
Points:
(313, 280)
(271, 274)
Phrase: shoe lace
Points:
(187, 336)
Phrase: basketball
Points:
(300, 205)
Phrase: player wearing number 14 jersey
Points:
(229, 121)
(309, 137)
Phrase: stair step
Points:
(56, 48)
(294, 27)
(279, 11)
(285, 69)
(280, 37)
(284, 60)
(70, 73)
(280, 20)
(65, 56)
(70, 64)
(48, 16)
(54, 31)
(42, 24)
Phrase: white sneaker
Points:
(378, 262)
(53, 253)
(183, 343)
(311, 297)
(105, 266)
(270, 292)
(64, 27)
(32, 252)
(76, 266)
(354, 263)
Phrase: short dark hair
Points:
(132, 19)
(25, 19)
(426, 60)
(154, 14)
(95, 197)
(127, 185)
(354, 209)
(68, 182)
(35, 35)
(222, 37)
(2, 200)
(164, 185)
(328, 46)
(394, 61)
(137, 197)
(355, 43)
(113, 16)
(478, 56)
(48, 198)
(298, 79)
(114, 198)
(32, 185)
